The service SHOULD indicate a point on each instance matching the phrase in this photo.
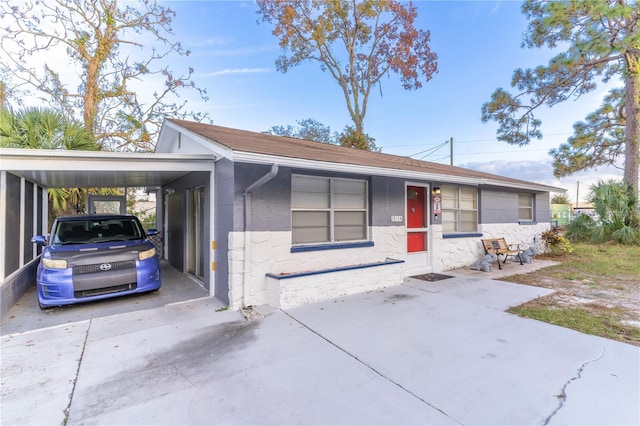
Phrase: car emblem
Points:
(105, 266)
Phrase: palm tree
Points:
(40, 128)
(617, 210)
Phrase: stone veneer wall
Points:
(452, 253)
(285, 293)
(271, 253)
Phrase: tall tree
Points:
(601, 40)
(308, 129)
(40, 128)
(99, 64)
(356, 41)
(3, 95)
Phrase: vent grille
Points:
(99, 267)
(104, 290)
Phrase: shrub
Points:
(556, 243)
(581, 228)
(617, 208)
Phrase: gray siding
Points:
(543, 207)
(224, 222)
(387, 199)
(270, 202)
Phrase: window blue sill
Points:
(527, 222)
(331, 246)
(467, 235)
(329, 270)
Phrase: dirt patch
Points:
(614, 293)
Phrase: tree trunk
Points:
(632, 130)
(91, 97)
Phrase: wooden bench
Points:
(499, 247)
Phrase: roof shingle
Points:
(281, 146)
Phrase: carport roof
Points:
(79, 169)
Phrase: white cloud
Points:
(229, 71)
(534, 171)
(577, 185)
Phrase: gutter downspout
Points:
(246, 287)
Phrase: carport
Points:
(26, 174)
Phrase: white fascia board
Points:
(248, 157)
(30, 159)
(216, 148)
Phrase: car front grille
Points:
(101, 267)
(105, 290)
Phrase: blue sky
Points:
(478, 44)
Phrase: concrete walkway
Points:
(440, 352)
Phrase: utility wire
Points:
(465, 141)
(429, 151)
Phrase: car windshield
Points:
(97, 230)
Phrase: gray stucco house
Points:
(261, 219)
(283, 221)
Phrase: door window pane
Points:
(416, 242)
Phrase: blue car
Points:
(93, 257)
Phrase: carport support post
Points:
(3, 222)
(246, 286)
(212, 234)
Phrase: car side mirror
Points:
(152, 232)
(39, 239)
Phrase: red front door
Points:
(416, 219)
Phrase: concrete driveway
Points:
(26, 316)
(421, 353)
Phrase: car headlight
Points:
(54, 263)
(147, 254)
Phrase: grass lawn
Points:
(597, 292)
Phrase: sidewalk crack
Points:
(562, 396)
(379, 373)
(75, 379)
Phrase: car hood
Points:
(82, 254)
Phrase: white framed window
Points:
(525, 207)
(459, 209)
(328, 210)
